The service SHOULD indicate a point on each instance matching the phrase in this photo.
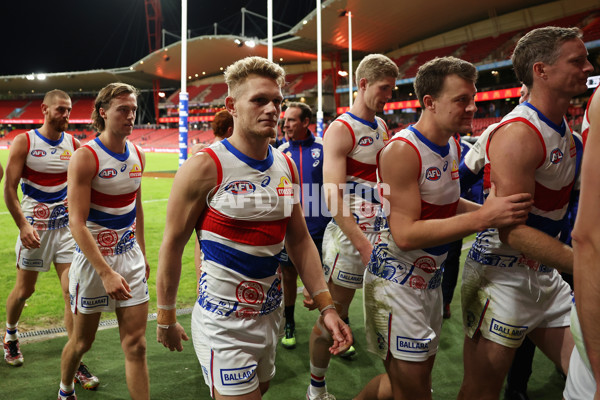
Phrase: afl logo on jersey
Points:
(108, 173)
(556, 156)
(240, 187)
(38, 153)
(433, 174)
(365, 141)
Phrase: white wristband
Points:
(327, 308)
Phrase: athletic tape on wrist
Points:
(166, 317)
(169, 307)
(323, 300)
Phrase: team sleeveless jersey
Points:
(44, 180)
(112, 203)
(242, 230)
(361, 192)
(440, 192)
(585, 123)
(554, 180)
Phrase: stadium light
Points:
(343, 73)
(250, 43)
(41, 77)
(30, 77)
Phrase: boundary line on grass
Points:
(51, 333)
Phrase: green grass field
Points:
(44, 307)
(177, 375)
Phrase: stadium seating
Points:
(7, 107)
(216, 91)
(82, 108)
(32, 110)
(425, 56)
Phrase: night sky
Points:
(77, 35)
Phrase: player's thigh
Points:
(410, 379)
(486, 363)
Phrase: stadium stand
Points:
(483, 50)
(410, 70)
(8, 107)
(217, 91)
(82, 109)
(31, 110)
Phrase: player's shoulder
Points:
(283, 147)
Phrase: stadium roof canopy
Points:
(379, 26)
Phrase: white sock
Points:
(317, 381)
(67, 388)
(11, 332)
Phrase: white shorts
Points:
(580, 380)
(56, 246)
(88, 295)
(400, 320)
(235, 354)
(341, 261)
(506, 305)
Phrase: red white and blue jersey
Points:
(439, 188)
(361, 166)
(554, 180)
(113, 199)
(44, 180)
(585, 123)
(242, 231)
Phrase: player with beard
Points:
(39, 159)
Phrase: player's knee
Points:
(23, 293)
(134, 347)
(82, 346)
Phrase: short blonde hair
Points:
(376, 67)
(51, 95)
(237, 72)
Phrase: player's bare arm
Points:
(304, 255)
(139, 219)
(513, 171)
(399, 168)
(191, 186)
(14, 170)
(82, 169)
(337, 143)
(586, 240)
